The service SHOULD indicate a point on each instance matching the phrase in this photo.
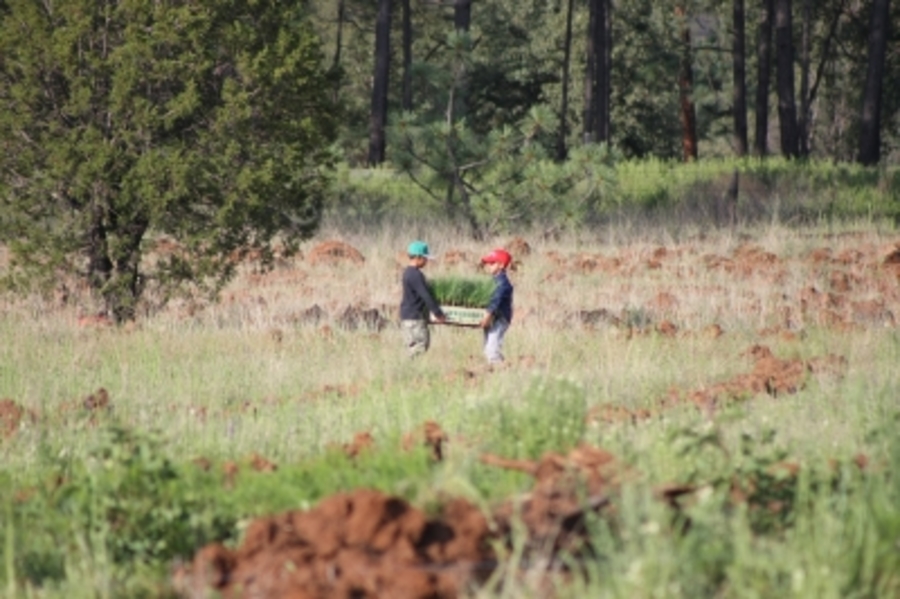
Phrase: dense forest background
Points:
(670, 78)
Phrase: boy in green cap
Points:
(417, 301)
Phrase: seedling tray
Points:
(463, 317)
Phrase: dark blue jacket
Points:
(501, 304)
(417, 300)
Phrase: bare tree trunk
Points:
(598, 72)
(604, 73)
(685, 91)
(740, 81)
(805, 104)
(462, 15)
(763, 77)
(784, 53)
(870, 119)
(378, 119)
(561, 149)
(407, 101)
(590, 74)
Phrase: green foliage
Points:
(549, 416)
(456, 291)
(759, 477)
(594, 186)
(772, 189)
(506, 180)
(125, 120)
(303, 484)
(364, 198)
(125, 500)
(132, 498)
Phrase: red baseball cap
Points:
(498, 256)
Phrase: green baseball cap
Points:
(418, 248)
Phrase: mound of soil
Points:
(354, 318)
(335, 252)
(362, 544)
(365, 544)
(11, 415)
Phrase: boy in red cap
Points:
(499, 311)
(417, 301)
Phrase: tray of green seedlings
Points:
(462, 300)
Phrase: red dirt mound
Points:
(97, 401)
(354, 318)
(770, 375)
(335, 252)
(10, 416)
(431, 435)
(362, 441)
(362, 544)
(518, 247)
(565, 489)
(453, 257)
(366, 544)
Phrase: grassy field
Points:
(619, 340)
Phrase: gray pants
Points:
(493, 341)
(416, 336)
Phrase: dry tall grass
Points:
(309, 353)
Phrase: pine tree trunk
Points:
(740, 81)
(407, 101)
(561, 149)
(462, 15)
(598, 72)
(685, 91)
(590, 74)
(870, 119)
(763, 77)
(604, 73)
(378, 118)
(803, 125)
(784, 55)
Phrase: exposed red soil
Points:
(94, 321)
(566, 488)
(99, 400)
(11, 415)
(518, 247)
(454, 257)
(362, 441)
(432, 436)
(770, 376)
(261, 464)
(368, 544)
(360, 544)
(335, 252)
(848, 289)
(892, 260)
(231, 469)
